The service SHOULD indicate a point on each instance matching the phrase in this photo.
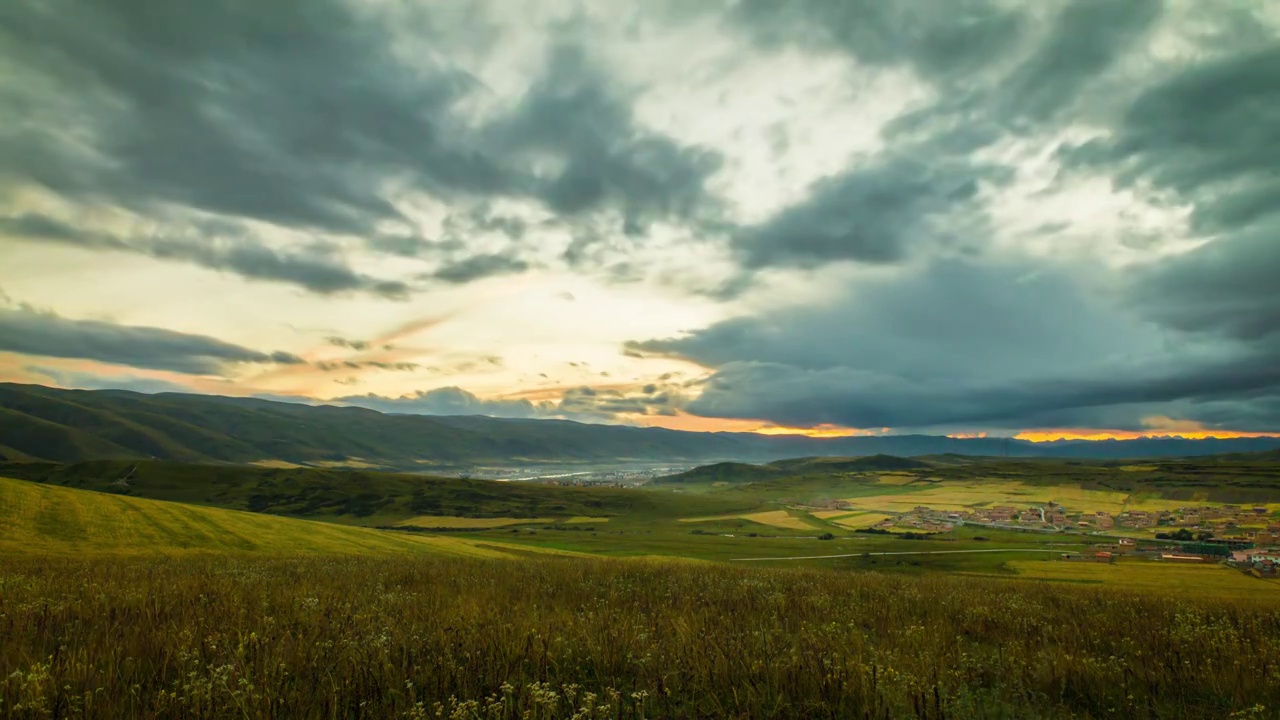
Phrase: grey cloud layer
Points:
(23, 330)
(216, 248)
(302, 114)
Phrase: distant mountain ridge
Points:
(43, 423)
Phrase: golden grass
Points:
(895, 479)
(860, 520)
(772, 518)
(1185, 581)
(211, 638)
(44, 520)
(1139, 468)
(583, 520)
(829, 514)
(453, 522)
(351, 462)
(778, 518)
(278, 464)
(950, 495)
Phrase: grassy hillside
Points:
(358, 496)
(1241, 478)
(41, 520)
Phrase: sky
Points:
(1043, 219)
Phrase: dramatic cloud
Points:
(873, 214)
(991, 343)
(23, 330)
(296, 113)
(215, 248)
(573, 116)
(924, 214)
(479, 266)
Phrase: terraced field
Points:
(47, 520)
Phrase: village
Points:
(1247, 538)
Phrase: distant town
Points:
(1246, 537)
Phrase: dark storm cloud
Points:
(1209, 137)
(213, 247)
(873, 214)
(576, 115)
(977, 341)
(292, 112)
(479, 266)
(857, 398)
(1085, 39)
(923, 191)
(302, 114)
(23, 330)
(939, 38)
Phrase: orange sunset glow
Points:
(1086, 434)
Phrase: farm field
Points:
(771, 518)
(453, 522)
(965, 495)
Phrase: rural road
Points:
(900, 552)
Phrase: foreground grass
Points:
(205, 637)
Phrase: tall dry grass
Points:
(411, 638)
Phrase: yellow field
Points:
(970, 495)
(353, 462)
(452, 522)
(1189, 581)
(1139, 468)
(48, 520)
(828, 514)
(774, 518)
(280, 464)
(582, 520)
(897, 478)
(860, 520)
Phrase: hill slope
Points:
(353, 496)
(40, 520)
(44, 423)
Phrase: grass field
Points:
(859, 519)
(964, 495)
(772, 518)
(118, 606)
(452, 522)
(209, 637)
(1171, 580)
(39, 520)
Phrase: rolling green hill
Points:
(357, 496)
(42, 423)
(42, 520)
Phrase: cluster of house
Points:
(1228, 521)
(1262, 563)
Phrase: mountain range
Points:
(44, 423)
